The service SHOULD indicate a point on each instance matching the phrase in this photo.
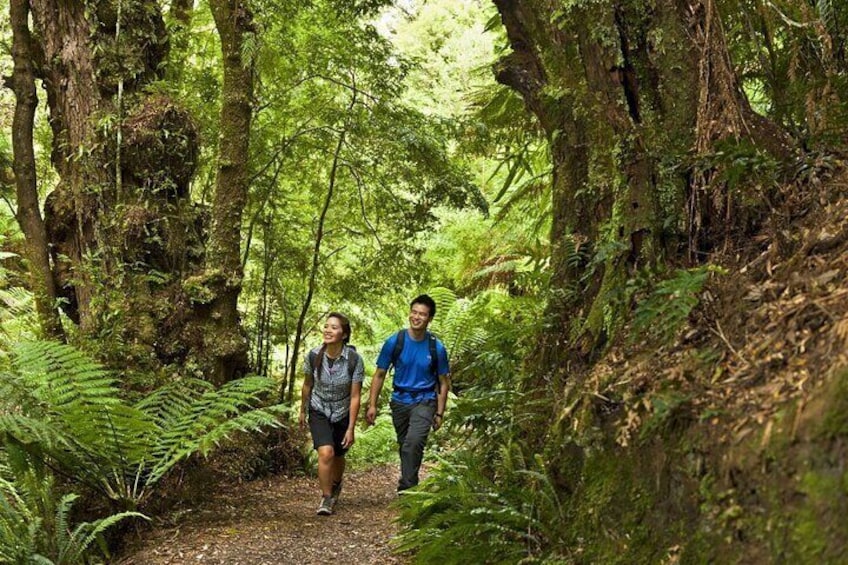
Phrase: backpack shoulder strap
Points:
(310, 359)
(401, 337)
(434, 357)
(352, 361)
(317, 362)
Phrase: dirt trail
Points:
(273, 521)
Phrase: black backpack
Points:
(316, 359)
(434, 360)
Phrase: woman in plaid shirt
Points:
(330, 403)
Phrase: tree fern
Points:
(458, 325)
(73, 413)
(34, 527)
(461, 514)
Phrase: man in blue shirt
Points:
(420, 387)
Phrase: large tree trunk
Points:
(612, 86)
(724, 114)
(28, 212)
(74, 98)
(128, 244)
(525, 71)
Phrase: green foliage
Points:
(741, 165)
(70, 412)
(668, 305)
(35, 522)
(376, 445)
(501, 507)
(795, 55)
(334, 89)
(457, 323)
(462, 514)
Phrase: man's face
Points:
(419, 316)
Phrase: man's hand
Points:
(437, 421)
(302, 419)
(371, 415)
(348, 439)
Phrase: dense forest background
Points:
(631, 214)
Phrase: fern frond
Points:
(459, 328)
(500, 265)
(170, 402)
(28, 430)
(75, 379)
(74, 415)
(17, 302)
(62, 534)
(210, 418)
(86, 533)
(18, 525)
(443, 297)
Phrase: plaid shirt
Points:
(331, 388)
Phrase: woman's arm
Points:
(355, 394)
(305, 394)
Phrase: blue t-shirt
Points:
(412, 370)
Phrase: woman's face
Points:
(333, 331)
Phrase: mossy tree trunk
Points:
(28, 212)
(139, 265)
(224, 346)
(612, 84)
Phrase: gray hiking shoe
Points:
(337, 491)
(326, 506)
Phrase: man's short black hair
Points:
(426, 301)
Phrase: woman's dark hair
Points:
(426, 301)
(345, 324)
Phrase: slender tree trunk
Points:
(723, 113)
(224, 349)
(263, 310)
(28, 213)
(316, 259)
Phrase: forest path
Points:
(273, 521)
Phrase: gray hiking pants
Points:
(413, 423)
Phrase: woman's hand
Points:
(348, 439)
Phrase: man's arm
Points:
(441, 400)
(374, 396)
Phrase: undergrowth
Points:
(62, 413)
